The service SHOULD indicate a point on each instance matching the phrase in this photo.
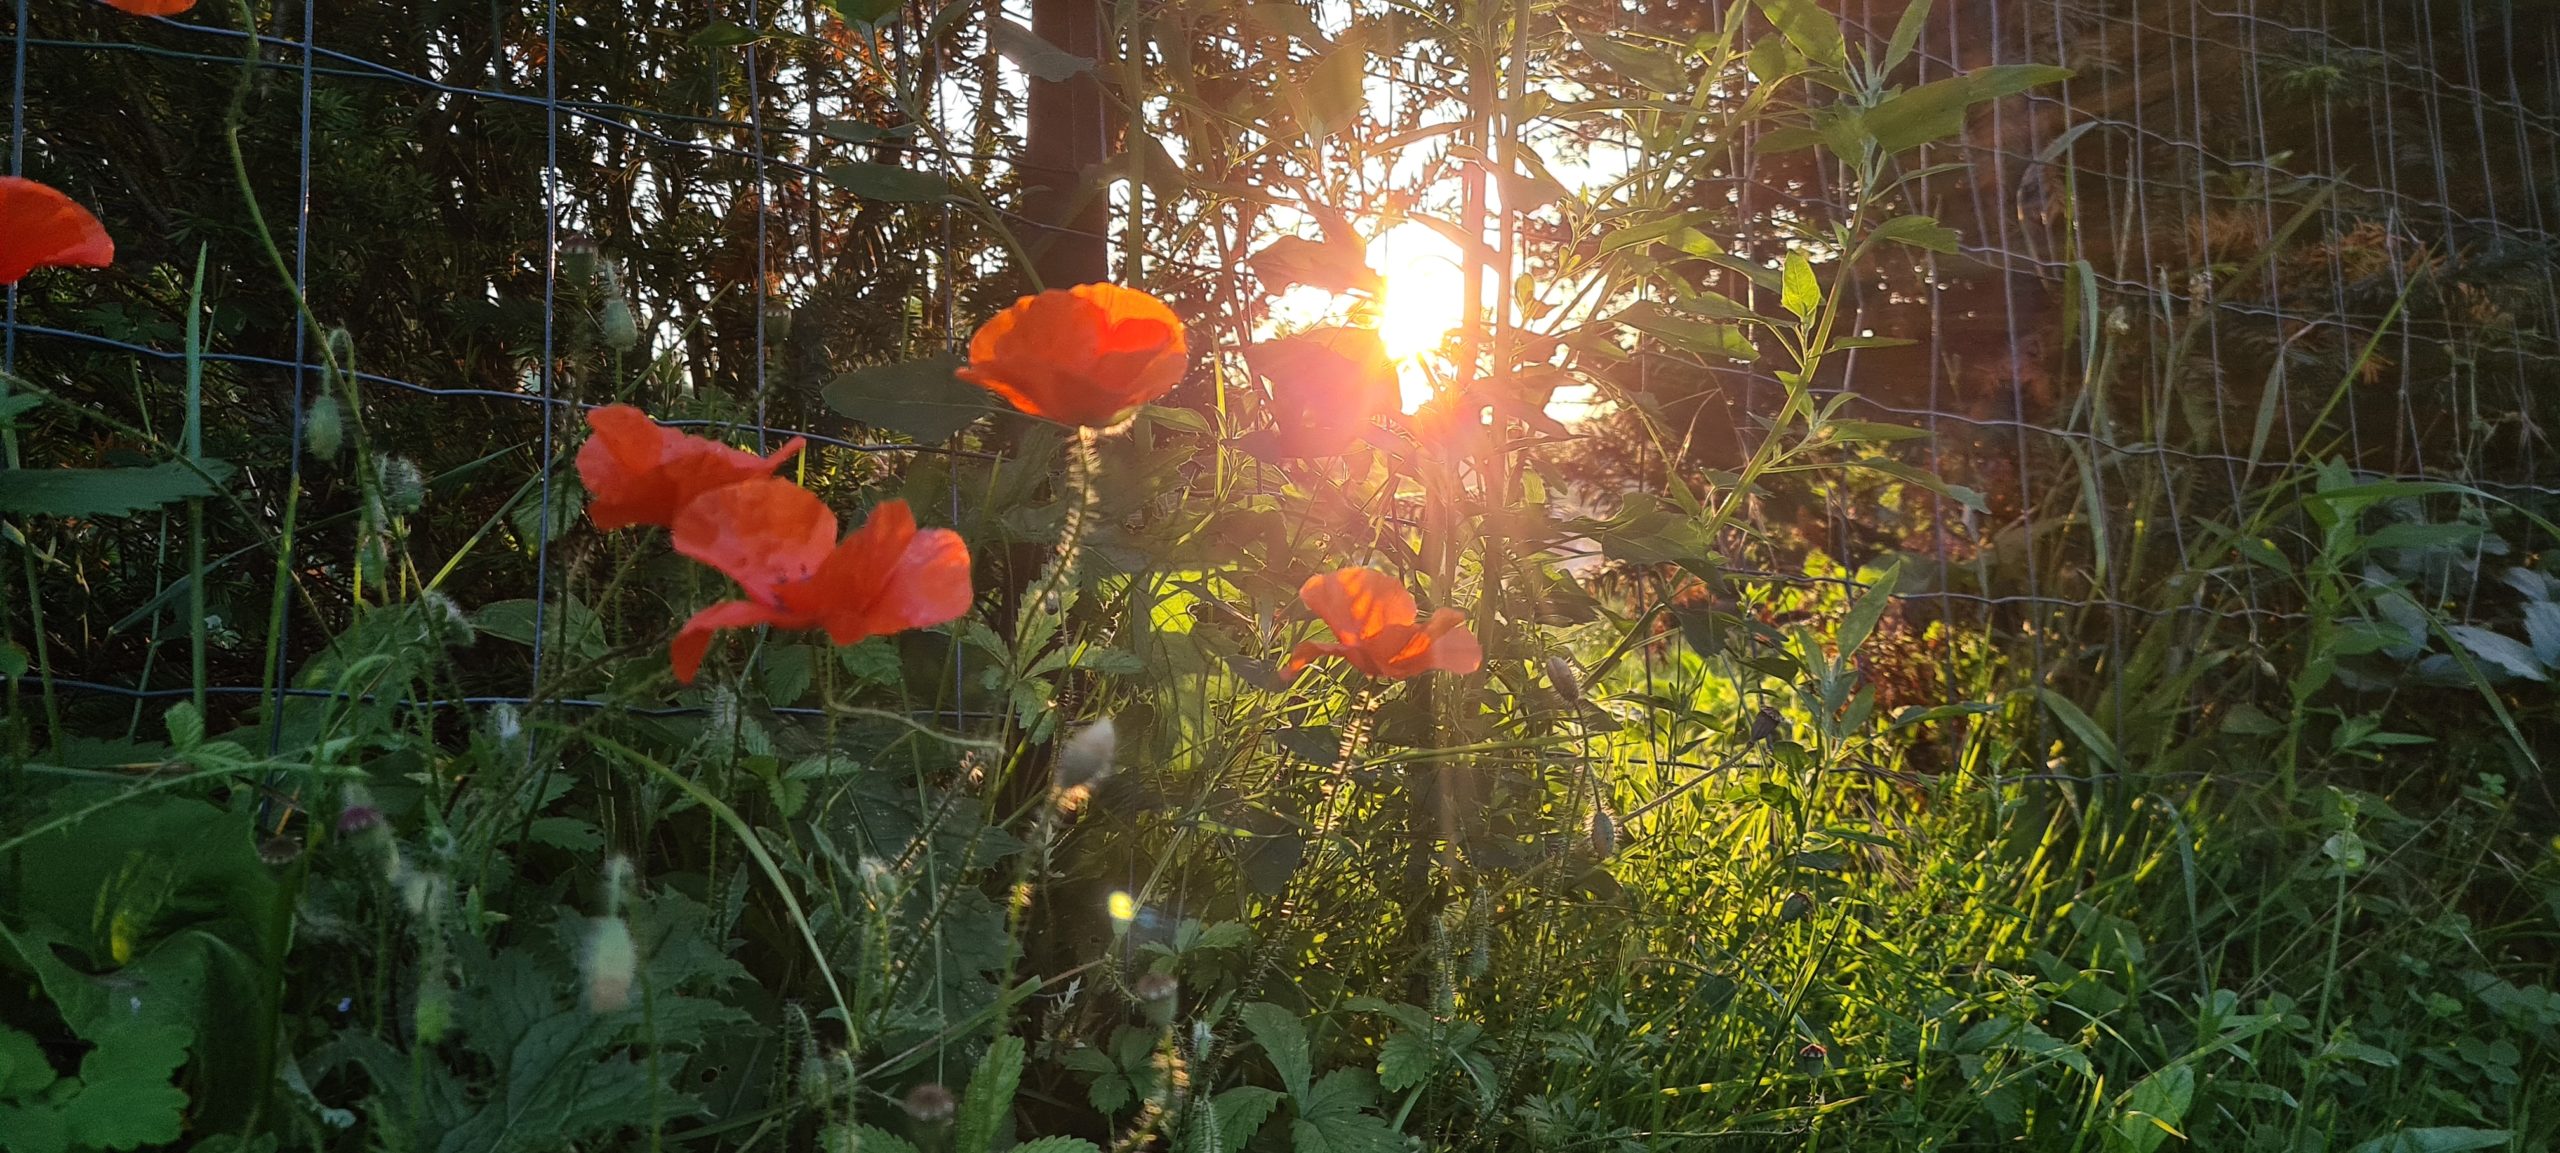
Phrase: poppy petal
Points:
(151, 7)
(1446, 646)
(694, 639)
(764, 533)
(1079, 356)
(638, 471)
(888, 577)
(42, 228)
(1309, 652)
(1357, 603)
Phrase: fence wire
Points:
(2400, 161)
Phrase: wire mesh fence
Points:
(2235, 239)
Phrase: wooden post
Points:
(1065, 133)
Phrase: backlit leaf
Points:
(920, 398)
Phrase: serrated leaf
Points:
(24, 1072)
(920, 398)
(1241, 1112)
(887, 182)
(1032, 54)
(1284, 1042)
(1058, 1145)
(1404, 1061)
(87, 492)
(990, 1096)
(869, 1139)
(185, 725)
(1331, 1117)
(2498, 649)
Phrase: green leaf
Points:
(1906, 34)
(185, 725)
(1240, 1113)
(1812, 30)
(920, 398)
(1655, 69)
(569, 623)
(1697, 336)
(1909, 475)
(1336, 90)
(1032, 54)
(990, 1097)
(2081, 726)
(1803, 293)
(871, 1140)
(2498, 649)
(723, 34)
(1335, 264)
(2156, 1107)
(1404, 1061)
(1919, 232)
(125, 1099)
(1331, 1117)
(1283, 1040)
(88, 492)
(888, 182)
(864, 13)
(13, 659)
(1935, 111)
(12, 406)
(36, 1127)
(24, 1072)
(2439, 1139)
(1862, 617)
(1058, 1145)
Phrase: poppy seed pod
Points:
(1088, 757)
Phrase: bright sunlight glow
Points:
(1426, 290)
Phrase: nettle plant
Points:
(1076, 801)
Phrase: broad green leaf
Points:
(24, 1071)
(1803, 293)
(887, 182)
(2499, 649)
(920, 398)
(1404, 1061)
(1332, 1117)
(2156, 1107)
(1936, 110)
(1283, 1040)
(1336, 90)
(2437, 1139)
(125, 1099)
(865, 13)
(569, 623)
(12, 406)
(92, 492)
(1333, 264)
(1696, 336)
(1813, 31)
(1032, 54)
(1241, 1112)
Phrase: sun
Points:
(1426, 290)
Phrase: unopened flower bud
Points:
(1560, 675)
(1797, 907)
(322, 429)
(616, 326)
(813, 1078)
(1604, 833)
(608, 964)
(404, 488)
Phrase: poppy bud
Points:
(607, 964)
(813, 1078)
(445, 621)
(837, 1138)
(930, 1104)
(578, 255)
(1764, 728)
(434, 1013)
(1604, 833)
(777, 322)
(616, 325)
(1087, 757)
(1797, 907)
(1560, 675)
(322, 430)
(404, 488)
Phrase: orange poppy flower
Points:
(638, 471)
(42, 228)
(151, 7)
(778, 541)
(1080, 355)
(1373, 620)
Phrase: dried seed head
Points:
(280, 851)
(1560, 674)
(608, 964)
(930, 1103)
(1089, 756)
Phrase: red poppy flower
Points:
(151, 7)
(778, 541)
(1373, 620)
(42, 228)
(1080, 355)
(638, 471)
